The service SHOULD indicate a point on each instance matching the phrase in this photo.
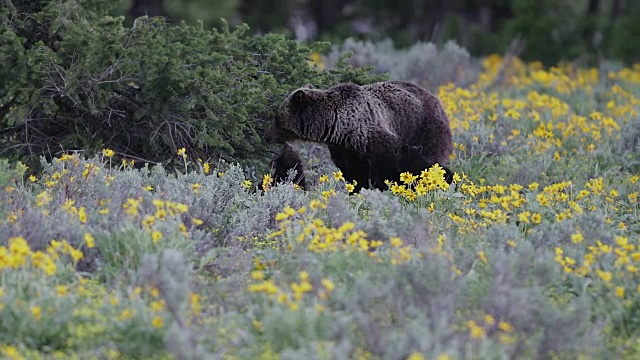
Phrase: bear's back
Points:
(417, 115)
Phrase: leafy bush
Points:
(75, 78)
(550, 30)
(624, 29)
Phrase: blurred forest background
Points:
(546, 30)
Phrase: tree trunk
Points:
(594, 7)
(325, 13)
(439, 11)
(615, 10)
(147, 7)
(414, 13)
(482, 11)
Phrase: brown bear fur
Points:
(364, 126)
(286, 160)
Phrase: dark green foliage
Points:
(547, 28)
(74, 78)
(625, 29)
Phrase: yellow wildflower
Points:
(475, 330)
(82, 215)
(108, 152)
(88, 239)
(536, 218)
(257, 275)
(194, 300)
(482, 257)
(157, 305)
(505, 326)
(157, 322)
(126, 314)
(577, 238)
(416, 356)
(36, 311)
(156, 236)
(396, 242)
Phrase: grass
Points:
(533, 252)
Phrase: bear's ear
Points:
(309, 86)
(299, 96)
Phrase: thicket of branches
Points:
(74, 78)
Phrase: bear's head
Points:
(284, 126)
(310, 114)
(410, 158)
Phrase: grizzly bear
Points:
(364, 126)
(286, 160)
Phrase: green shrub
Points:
(548, 29)
(75, 78)
(627, 27)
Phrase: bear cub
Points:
(288, 159)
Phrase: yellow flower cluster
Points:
(11, 352)
(336, 181)
(163, 210)
(301, 228)
(430, 181)
(317, 237)
(529, 206)
(293, 295)
(541, 96)
(18, 255)
(614, 264)
(57, 248)
(267, 181)
(503, 329)
(108, 153)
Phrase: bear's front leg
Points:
(352, 165)
(383, 166)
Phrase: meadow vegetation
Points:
(532, 252)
